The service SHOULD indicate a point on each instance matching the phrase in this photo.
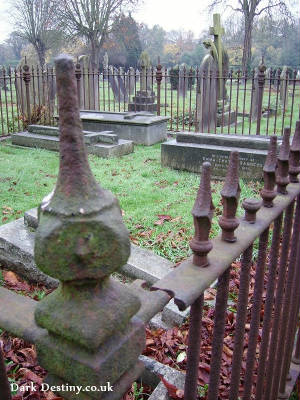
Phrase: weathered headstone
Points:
(206, 111)
(212, 109)
(284, 88)
(122, 85)
(188, 151)
(89, 85)
(113, 82)
(41, 89)
(254, 95)
(130, 80)
(182, 81)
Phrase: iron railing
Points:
(273, 220)
(262, 102)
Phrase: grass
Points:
(145, 189)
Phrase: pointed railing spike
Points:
(282, 172)
(294, 161)
(230, 198)
(268, 193)
(202, 214)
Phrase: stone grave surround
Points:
(141, 127)
(103, 144)
(16, 254)
(188, 151)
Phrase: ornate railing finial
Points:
(282, 172)
(294, 161)
(268, 193)
(202, 214)
(251, 206)
(230, 198)
(80, 240)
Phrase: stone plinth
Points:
(188, 152)
(141, 128)
(104, 144)
(143, 101)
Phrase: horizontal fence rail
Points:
(265, 243)
(196, 100)
(266, 350)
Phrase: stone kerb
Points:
(188, 151)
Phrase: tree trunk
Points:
(41, 52)
(95, 54)
(247, 44)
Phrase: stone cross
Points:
(217, 30)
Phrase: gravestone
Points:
(144, 100)
(212, 103)
(284, 88)
(89, 89)
(105, 64)
(255, 94)
(41, 86)
(141, 127)
(113, 82)
(130, 81)
(188, 151)
(105, 144)
(4, 79)
(182, 81)
(122, 85)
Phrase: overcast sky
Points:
(170, 14)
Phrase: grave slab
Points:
(104, 144)
(140, 127)
(188, 152)
(17, 254)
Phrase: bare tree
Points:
(35, 21)
(250, 9)
(92, 20)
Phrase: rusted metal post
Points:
(294, 162)
(158, 81)
(261, 85)
(272, 267)
(230, 198)
(91, 335)
(240, 323)
(78, 75)
(296, 357)
(282, 173)
(218, 335)
(27, 78)
(202, 214)
(275, 344)
(4, 384)
(268, 193)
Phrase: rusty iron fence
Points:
(261, 103)
(268, 350)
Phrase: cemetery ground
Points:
(156, 204)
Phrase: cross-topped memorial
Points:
(217, 30)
